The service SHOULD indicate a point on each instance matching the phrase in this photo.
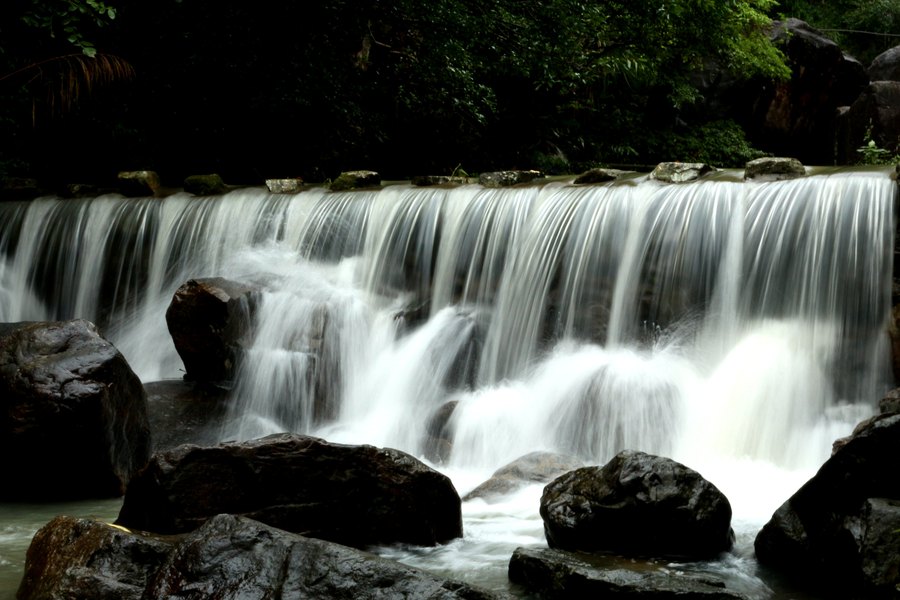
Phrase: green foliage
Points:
(870, 153)
(403, 87)
(718, 143)
(70, 20)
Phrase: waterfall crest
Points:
(739, 319)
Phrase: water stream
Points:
(735, 327)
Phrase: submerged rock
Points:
(535, 467)
(599, 176)
(507, 178)
(354, 495)
(351, 180)
(228, 557)
(210, 322)
(74, 415)
(838, 533)
(552, 574)
(679, 172)
(637, 505)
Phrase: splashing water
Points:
(736, 327)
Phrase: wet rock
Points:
(535, 467)
(291, 185)
(599, 176)
(429, 180)
(551, 574)
(890, 403)
(774, 168)
(678, 172)
(838, 532)
(241, 558)
(20, 188)
(439, 433)
(73, 422)
(351, 180)
(228, 557)
(205, 185)
(496, 179)
(83, 558)
(182, 412)
(354, 495)
(637, 505)
(886, 66)
(210, 321)
(894, 335)
(136, 184)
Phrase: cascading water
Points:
(736, 327)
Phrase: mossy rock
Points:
(773, 167)
(205, 185)
(138, 183)
(351, 180)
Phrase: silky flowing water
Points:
(738, 328)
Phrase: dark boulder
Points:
(82, 558)
(138, 183)
(210, 321)
(678, 172)
(637, 505)
(496, 179)
(73, 422)
(774, 168)
(182, 412)
(890, 403)
(797, 117)
(205, 185)
(241, 558)
(535, 467)
(354, 495)
(838, 532)
(886, 66)
(228, 557)
(873, 117)
(554, 574)
(351, 180)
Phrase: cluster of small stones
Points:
(147, 183)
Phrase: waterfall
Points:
(718, 318)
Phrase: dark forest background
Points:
(254, 90)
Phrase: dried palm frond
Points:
(67, 79)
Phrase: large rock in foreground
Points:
(551, 574)
(210, 322)
(82, 558)
(354, 495)
(73, 422)
(637, 505)
(838, 533)
(228, 557)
